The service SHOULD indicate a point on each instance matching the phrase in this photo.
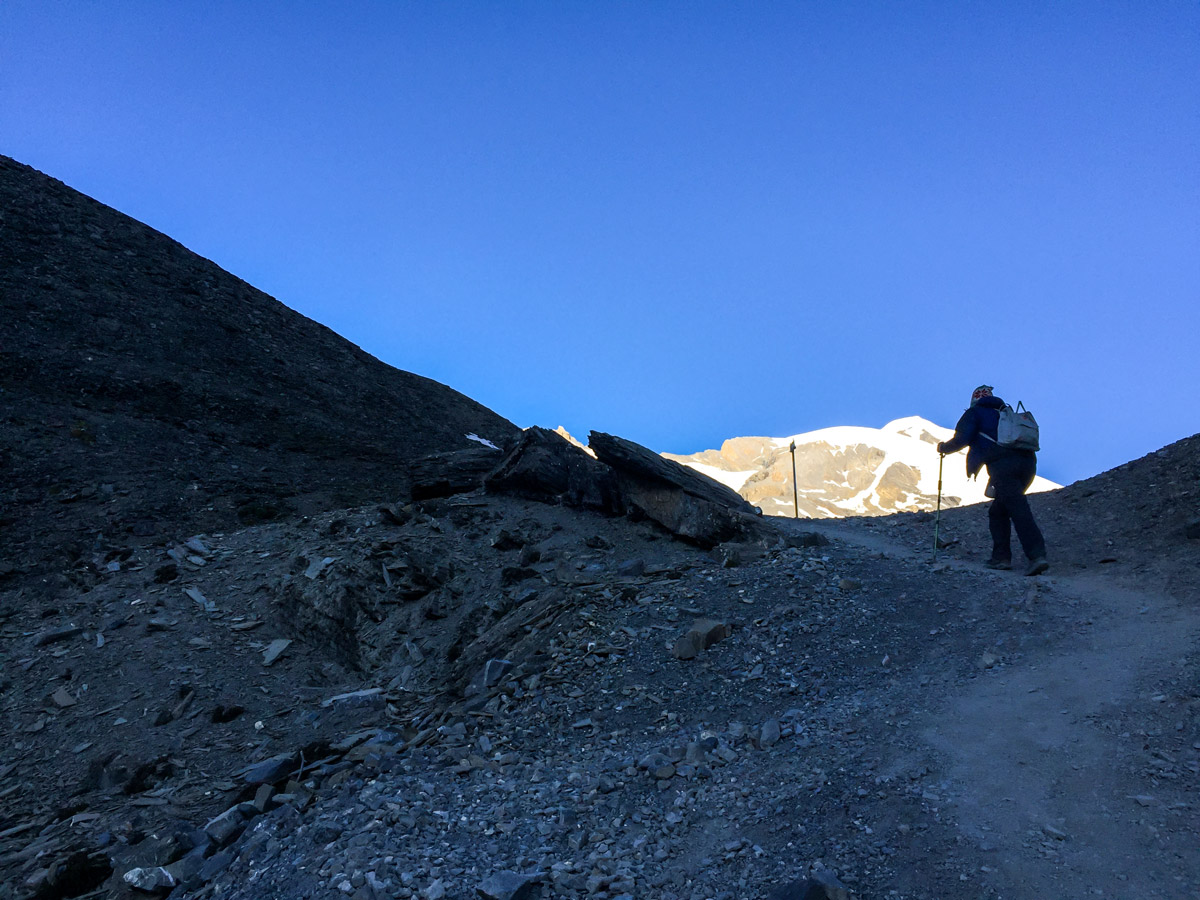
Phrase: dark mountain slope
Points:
(1136, 516)
(140, 384)
(1155, 496)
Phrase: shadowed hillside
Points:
(142, 384)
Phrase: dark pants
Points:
(1011, 476)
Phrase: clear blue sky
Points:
(678, 222)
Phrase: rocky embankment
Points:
(239, 665)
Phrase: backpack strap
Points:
(996, 439)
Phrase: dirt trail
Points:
(1045, 762)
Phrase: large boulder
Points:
(624, 478)
(543, 465)
(689, 505)
(635, 461)
(455, 472)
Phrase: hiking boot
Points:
(1037, 566)
(1002, 564)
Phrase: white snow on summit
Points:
(733, 480)
(846, 470)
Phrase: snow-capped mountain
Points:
(846, 471)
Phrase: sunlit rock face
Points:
(845, 471)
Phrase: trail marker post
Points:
(795, 491)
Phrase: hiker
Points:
(1010, 473)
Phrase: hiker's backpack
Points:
(1017, 429)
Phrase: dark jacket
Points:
(977, 430)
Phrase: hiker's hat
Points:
(984, 390)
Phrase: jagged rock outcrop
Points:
(446, 474)
(623, 478)
(635, 461)
(543, 465)
(684, 502)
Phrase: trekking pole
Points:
(937, 522)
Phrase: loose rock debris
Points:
(545, 728)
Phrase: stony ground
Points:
(924, 730)
(136, 701)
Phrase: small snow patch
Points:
(474, 437)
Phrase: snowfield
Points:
(877, 460)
